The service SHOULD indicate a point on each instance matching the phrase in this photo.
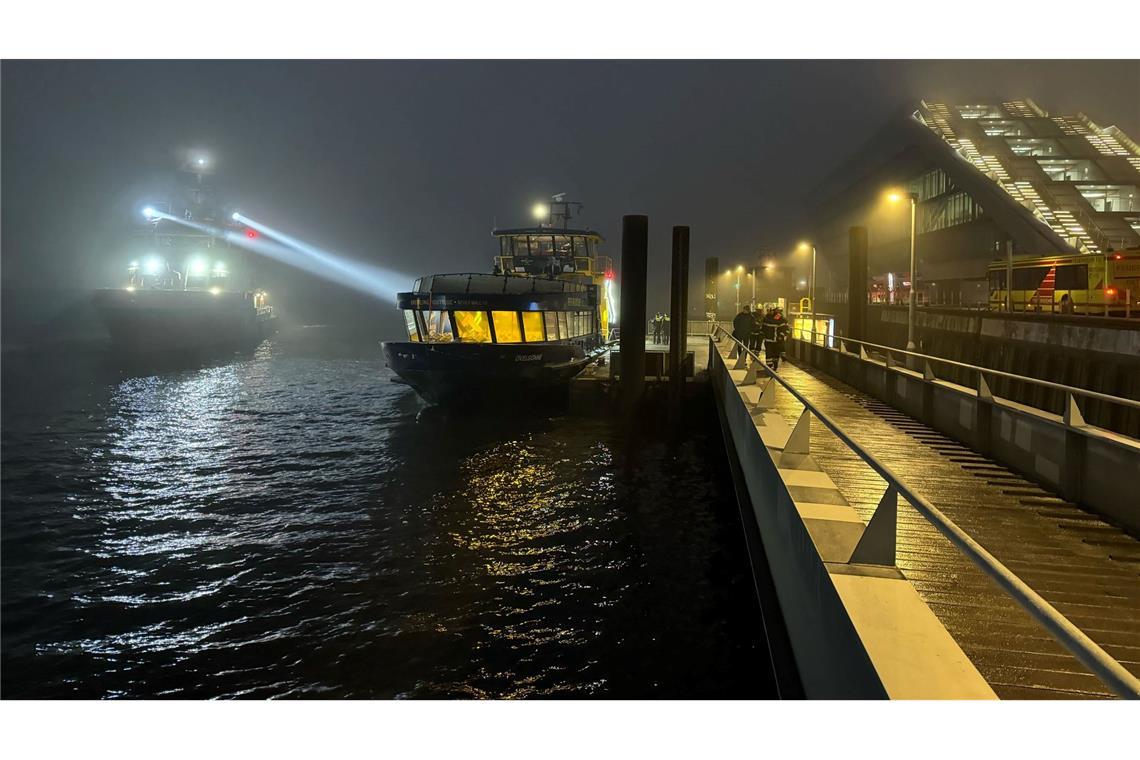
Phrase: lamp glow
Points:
(152, 265)
(149, 212)
(540, 211)
(197, 267)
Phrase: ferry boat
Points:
(179, 294)
(537, 320)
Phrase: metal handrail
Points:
(1104, 666)
(986, 370)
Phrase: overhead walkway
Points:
(1086, 569)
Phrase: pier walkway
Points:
(1086, 568)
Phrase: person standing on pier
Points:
(665, 328)
(755, 338)
(775, 329)
(742, 325)
(657, 322)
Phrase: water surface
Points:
(289, 522)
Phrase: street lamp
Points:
(811, 282)
(896, 196)
(739, 271)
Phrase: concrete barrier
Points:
(858, 630)
(1085, 464)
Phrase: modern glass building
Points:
(986, 176)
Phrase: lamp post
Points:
(811, 282)
(739, 271)
(896, 197)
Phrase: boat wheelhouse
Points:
(535, 322)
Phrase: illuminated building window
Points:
(410, 322)
(563, 326)
(507, 327)
(438, 326)
(949, 211)
(551, 319)
(931, 184)
(1004, 128)
(1037, 146)
(1111, 198)
(1070, 169)
(532, 326)
(473, 326)
(981, 111)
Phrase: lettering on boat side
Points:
(528, 358)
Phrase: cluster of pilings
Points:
(634, 259)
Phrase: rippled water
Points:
(291, 523)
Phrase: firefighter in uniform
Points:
(775, 329)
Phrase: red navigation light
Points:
(1110, 291)
(251, 234)
(609, 274)
(1118, 257)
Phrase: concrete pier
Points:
(914, 616)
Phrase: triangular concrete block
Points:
(927, 371)
(877, 545)
(799, 442)
(890, 361)
(767, 398)
(984, 392)
(750, 375)
(1073, 416)
(863, 353)
(741, 361)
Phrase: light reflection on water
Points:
(289, 523)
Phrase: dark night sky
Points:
(408, 164)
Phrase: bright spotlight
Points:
(540, 211)
(152, 266)
(201, 162)
(197, 267)
(149, 212)
(215, 291)
(235, 216)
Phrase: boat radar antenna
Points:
(560, 210)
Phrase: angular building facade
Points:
(990, 178)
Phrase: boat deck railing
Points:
(592, 266)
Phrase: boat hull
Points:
(459, 373)
(159, 321)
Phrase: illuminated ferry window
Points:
(507, 327)
(438, 326)
(587, 323)
(410, 321)
(563, 327)
(532, 326)
(551, 319)
(473, 326)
